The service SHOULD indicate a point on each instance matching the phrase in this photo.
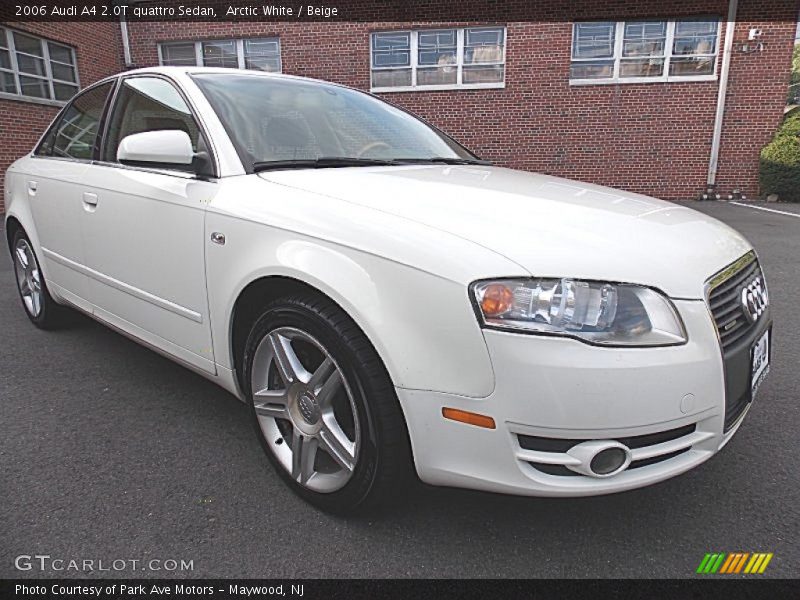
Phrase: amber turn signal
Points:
(497, 299)
(470, 418)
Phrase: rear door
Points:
(144, 237)
(53, 183)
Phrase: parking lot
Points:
(109, 451)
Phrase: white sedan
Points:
(383, 300)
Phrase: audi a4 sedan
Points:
(386, 303)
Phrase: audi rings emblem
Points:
(754, 299)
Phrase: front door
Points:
(55, 192)
(144, 237)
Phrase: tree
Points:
(794, 81)
(780, 161)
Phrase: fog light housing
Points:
(608, 461)
(599, 458)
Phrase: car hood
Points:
(551, 227)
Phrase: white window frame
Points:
(239, 43)
(9, 44)
(668, 55)
(414, 51)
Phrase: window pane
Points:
(31, 65)
(263, 54)
(391, 49)
(148, 104)
(648, 67)
(220, 54)
(176, 55)
(29, 60)
(644, 38)
(7, 83)
(272, 65)
(489, 74)
(594, 69)
(27, 43)
(262, 47)
(483, 46)
(695, 37)
(31, 86)
(593, 40)
(60, 53)
(76, 133)
(437, 76)
(391, 78)
(63, 72)
(692, 66)
(436, 48)
(64, 91)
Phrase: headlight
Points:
(597, 312)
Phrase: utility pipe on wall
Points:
(723, 90)
(126, 46)
(123, 30)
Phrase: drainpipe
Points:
(123, 29)
(723, 89)
(126, 45)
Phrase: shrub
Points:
(780, 161)
(794, 83)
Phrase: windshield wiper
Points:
(324, 162)
(444, 160)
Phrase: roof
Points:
(188, 70)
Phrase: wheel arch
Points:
(12, 226)
(19, 218)
(258, 293)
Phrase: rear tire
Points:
(324, 407)
(39, 305)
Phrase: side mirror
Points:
(166, 147)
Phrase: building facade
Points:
(41, 66)
(624, 94)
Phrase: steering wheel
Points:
(371, 146)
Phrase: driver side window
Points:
(149, 104)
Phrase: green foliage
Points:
(780, 161)
(794, 81)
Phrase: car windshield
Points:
(290, 123)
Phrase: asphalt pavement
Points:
(109, 451)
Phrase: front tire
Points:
(39, 305)
(324, 407)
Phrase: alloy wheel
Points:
(305, 409)
(29, 277)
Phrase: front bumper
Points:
(667, 405)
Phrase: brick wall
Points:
(99, 55)
(653, 138)
(757, 89)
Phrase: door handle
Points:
(32, 186)
(89, 199)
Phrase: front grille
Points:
(725, 301)
(734, 407)
(738, 331)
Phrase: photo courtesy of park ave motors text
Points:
(284, 283)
